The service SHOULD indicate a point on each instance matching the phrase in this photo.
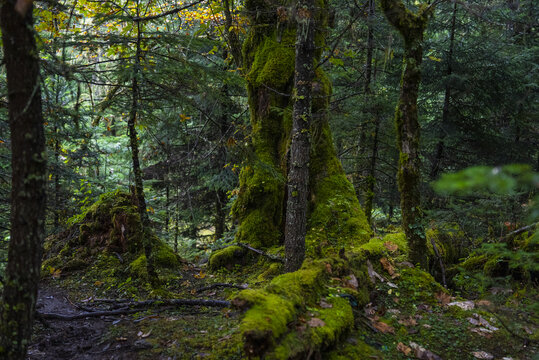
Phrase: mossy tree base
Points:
(109, 228)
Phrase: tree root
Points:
(133, 307)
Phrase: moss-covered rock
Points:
(227, 257)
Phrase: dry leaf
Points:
(121, 338)
(404, 349)
(482, 355)
(328, 268)
(316, 322)
(483, 303)
(351, 281)
(383, 327)
(409, 321)
(387, 266)
(391, 246)
(325, 305)
(422, 353)
(443, 298)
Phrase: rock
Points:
(464, 305)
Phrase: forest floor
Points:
(398, 324)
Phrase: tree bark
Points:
(411, 26)
(334, 217)
(28, 192)
(133, 140)
(436, 164)
(298, 173)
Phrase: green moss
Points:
(417, 286)
(359, 350)
(137, 268)
(474, 262)
(226, 257)
(273, 270)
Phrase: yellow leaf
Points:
(434, 58)
(184, 117)
(98, 283)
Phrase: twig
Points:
(519, 231)
(260, 252)
(216, 285)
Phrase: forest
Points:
(269, 179)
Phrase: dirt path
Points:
(78, 339)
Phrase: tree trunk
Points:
(335, 218)
(436, 164)
(411, 26)
(298, 173)
(28, 190)
(133, 140)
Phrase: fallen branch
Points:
(217, 285)
(260, 252)
(519, 231)
(133, 307)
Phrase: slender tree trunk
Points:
(28, 190)
(371, 177)
(298, 173)
(411, 26)
(133, 140)
(436, 164)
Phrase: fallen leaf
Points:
(422, 353)
(404, 349)
(351, 281)
(325, 305)
(383, 327)
(406, 264)
(98, 283)
(391, 246)
(316, 322)
(121, 339)
(200, 275)
(409, 321)
(443, 298)
(483, 303)
(387, 266)
(464, 305)
(482, 355)
(328, 268)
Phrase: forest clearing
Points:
(264, 179)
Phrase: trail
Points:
(78, 339)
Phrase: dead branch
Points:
(260, 252)
(217, 285)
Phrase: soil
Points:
(76, 339)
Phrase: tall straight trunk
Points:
(436, 164)
(411, 26)
(28, 191)
(298, 173)
(371, 177)
(133, 140)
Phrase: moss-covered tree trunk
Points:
(334, 214)
(411, 26)
(28, 179)
(300, 143)
(133, 140)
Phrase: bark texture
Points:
(298, 174)
(133, 141)
(334, 215)
(28, 181)
(411, 26)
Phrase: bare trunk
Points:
(298, 173)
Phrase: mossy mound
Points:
(106, 240)
(227, 257)
(300, 312)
